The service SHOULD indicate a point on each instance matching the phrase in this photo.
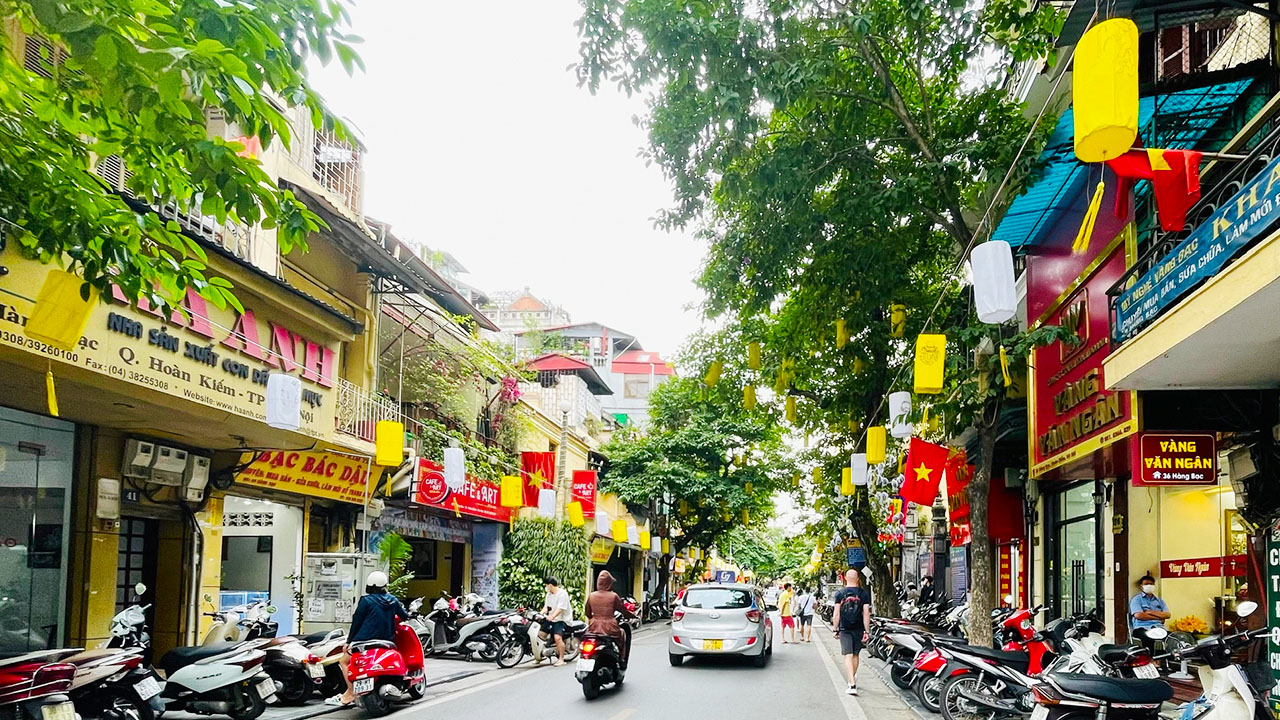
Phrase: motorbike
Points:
(327, 648)
(600, 662)
(384, 672)
(448, 628)
(297, 671)
(1232, 692)
(34, 685)
(1078, 696)
(218, 679)
(529, 637)
(115, 681)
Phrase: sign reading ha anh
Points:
(1249, 213)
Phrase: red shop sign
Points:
(1072, 412)
(477, 497)
(584, 491)
(1216, 566)
(1175, 459)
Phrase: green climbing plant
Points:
(536, 548)
(395, 552)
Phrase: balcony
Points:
(336, 165)
(570, 390)
(358, 411)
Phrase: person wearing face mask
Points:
(1145, 609)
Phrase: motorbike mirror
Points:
(139, 589)
(271, 609)
(1157, 633)
(1008, 599)
(208, 598)
(1246, 608)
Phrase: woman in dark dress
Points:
(600, 608)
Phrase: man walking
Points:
(853, 620)
(559, 610)
(804, 613)
(785, 605)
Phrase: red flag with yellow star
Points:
(923, 471)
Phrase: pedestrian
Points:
(804, 613)
(853, 621)
(375, 618)
(1146, 610)
(926, 590)
(559, 611)
(785, 601)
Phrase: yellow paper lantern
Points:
(713, 374)
(842, 334)
(897, 320)
(646, 540)
(931, 360)
(791, 409)
(795, 479)
(576, 518)
(859, 366)
(854, 425)
(749, 488)
(727, 515)
(666, 546)
(746, 516)
(619, 531)
(753, 356)
(1104, 94)
(749, 397)
(846, 481)
(876, 441)
(388, 442)
(684, 507)
(511, 491)
(60, 314)
(817, 476)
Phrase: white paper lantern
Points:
(284, 401)
(633, 535)
(899, 410)
(546, 502)
(858, 467)
(455, 468)
(994, 292)
(604, 523)
(655, 545)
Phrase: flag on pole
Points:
(923, 471)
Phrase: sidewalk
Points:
(875, 699)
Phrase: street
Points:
(797, 682)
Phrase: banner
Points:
(318, 474)
(584, 491)
(959, 474)
(1174, 459)
(1216, 566)
(413, 523)
(539, 471)
(477, 497)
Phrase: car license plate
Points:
(147, 688)
(1147, 671)
(58, 711)
(363, 687)
(1040, 712)
(315, 670)
(266, 688)
(712, 644)
(586, 664)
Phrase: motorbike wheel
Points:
(490, 651)
(114, 703)
(375, 704)
(294, 690)
(928, 690)
(571, 649)
(590, 688)
(417, 691)
(253, 705)
(510, 653)
(956, 707)
(901, 676)
(334, 683)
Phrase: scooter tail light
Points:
(754, 616)
(1139, 660)
(1044, 695)
(588, 648)
(314, 659)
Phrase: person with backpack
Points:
(804, 614)
(853, 622)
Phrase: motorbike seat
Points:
(1112, 654)
(1015, 659)
(575, 625)
(468, 621)
(314, 638)
(366, 644)
(1118, 690)
(180, 657)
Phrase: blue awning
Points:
(1181, 121)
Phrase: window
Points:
(636, 386)
(422, 563)
(718, 599)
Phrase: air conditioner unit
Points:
(170, 466)
(138, 458)
(195, 478)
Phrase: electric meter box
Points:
(332, 584)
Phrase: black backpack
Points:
(851, 612)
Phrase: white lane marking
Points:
(624, 714)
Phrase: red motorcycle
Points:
(384, 672)
(34, 685)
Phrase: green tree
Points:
(829, 151)
(137, 79)
(394, 552)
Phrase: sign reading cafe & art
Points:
(214, 357)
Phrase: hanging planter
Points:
(995, 295)
(61, 312)
(931, 360)
(1104, 90)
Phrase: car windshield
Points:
(717, 598)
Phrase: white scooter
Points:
(219, 678)
(448, 629)
(1229, 694)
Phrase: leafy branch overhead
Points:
(137, 80)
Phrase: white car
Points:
(721, 619)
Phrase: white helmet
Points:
(377, 579)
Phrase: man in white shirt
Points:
(804, 606)
(559, 610)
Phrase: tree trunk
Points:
(980, 562)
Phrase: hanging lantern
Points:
(994, 293)
(795, 479)
(455, 468)
(897, 320)
(817, 476)
(388, 442)
(899, 410)
(684, 507)
(753, 356)
(646, 540)
(749, 397)
(713, 373)
(842, 334)
(749, 487)
(854, 426)
(876, 442)
(603, 523)
(791, 409)
(859, 366)
(666, 546)
(858, 469)
(727, 515)
(576, 517)
(746, 516)
(284, 401)
(846, 482)
(1104, 90)
(619, 530)
(655, 545)
(931, 359)
(546, 503)
(60, 313)
(511, 491)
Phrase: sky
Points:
(481, 144)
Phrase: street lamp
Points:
(562, 462)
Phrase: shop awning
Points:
(1173, 120)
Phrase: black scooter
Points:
(600, 662)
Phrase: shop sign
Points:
(216, 358)
(856, 557)
(1174, 459)
(584, 491)
(1216, 566)
(726, 576)
(410, 522)
(1249, 213)
(1005, 558)
(1072, 413)
(319, 474)
(477, 497)
(601, 550)
(1273, 613)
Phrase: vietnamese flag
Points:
(923, 472)
(538, 469)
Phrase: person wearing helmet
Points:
(375, 618)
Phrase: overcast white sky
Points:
(481, 144)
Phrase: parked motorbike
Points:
(1232, 692)
(601, 664)
(34, 685)
(529, 638)
(328, 648)
(384, 672)
(116, 682)
(449, 629)
(297, 671)
(219, 679)
(1078, 696)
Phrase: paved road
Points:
(797, 683)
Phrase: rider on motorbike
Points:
(374, 619)
(600, 608)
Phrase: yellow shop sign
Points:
(601, 550)
(216, 358)
(318, 474)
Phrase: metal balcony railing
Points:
(336, 165)
(358, 411)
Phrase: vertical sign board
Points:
(1273, 613)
